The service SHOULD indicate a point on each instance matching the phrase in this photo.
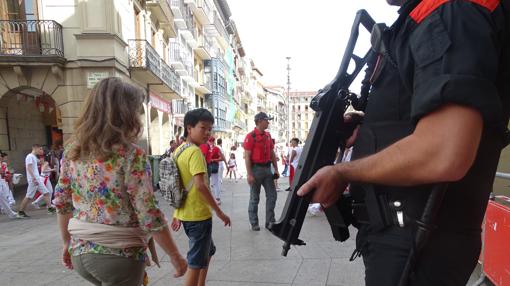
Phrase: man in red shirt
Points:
(207, 152)
(259, 155)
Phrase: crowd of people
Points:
(42, 171)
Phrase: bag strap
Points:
(182, 150)
(190, 183)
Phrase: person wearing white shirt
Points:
(45, 177)
(34, 181)
(295, 153)
(4, 200)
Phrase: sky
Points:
(313, 33)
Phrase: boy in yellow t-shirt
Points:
(195, 215)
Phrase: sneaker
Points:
(51, 210)
(35, 205)
(22, 214)
(255, 228)
(16, 216)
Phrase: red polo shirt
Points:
(206, 150)
(260, 144)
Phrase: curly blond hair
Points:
(110, 119)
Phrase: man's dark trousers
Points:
(263, 177)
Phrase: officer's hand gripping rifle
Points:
(327, 133)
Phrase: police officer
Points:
(437, 112)
(259, 155)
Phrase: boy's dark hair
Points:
(219, 141)
(36, 146)
(192, 117)
(295, 140)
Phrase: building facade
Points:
(276, 107)
(183, 53)
(301, 115)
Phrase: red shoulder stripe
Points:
(426, 7)
(489, 4)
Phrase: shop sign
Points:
(159, 103)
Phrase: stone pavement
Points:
(30, 250)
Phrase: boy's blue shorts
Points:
(201, 245)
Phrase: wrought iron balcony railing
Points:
(31, 38)
(143, 55)
(221, 29)
(175, 52)
(204, 41)
(177, 5)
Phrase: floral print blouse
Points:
(117, 191)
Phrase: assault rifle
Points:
(327, 133)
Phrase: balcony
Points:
(148, 67)
(202, 10)
(176, 60)
(239, 124)
(190, 33)
(179, 10)
(216, 29)
(161, 9)
(179, 108)
(34, 41)
(180, 60)
(204, 48)
(204, 83)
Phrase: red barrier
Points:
(496, 251)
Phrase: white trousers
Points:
(215, 185)
(46, 188)
(4, 200)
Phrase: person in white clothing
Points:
(222, 166)
(34, 181)
(216, 158)
(232, 167)
(4, 199)
(45, 177)
(294, 154)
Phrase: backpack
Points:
(170, 181)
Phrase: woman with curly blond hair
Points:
(106, 207)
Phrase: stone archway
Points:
(28, 116)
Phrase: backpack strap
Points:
(182, 150)
(190, 184)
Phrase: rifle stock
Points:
(327, 133)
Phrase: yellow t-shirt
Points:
(190, 163)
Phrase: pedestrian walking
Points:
(195, 215)
(259, 155)
(35, 183)
(46, 171)
(232, 167)
(107, 211)
(216, 161)
(295, 154)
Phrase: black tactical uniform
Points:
(437, 52)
